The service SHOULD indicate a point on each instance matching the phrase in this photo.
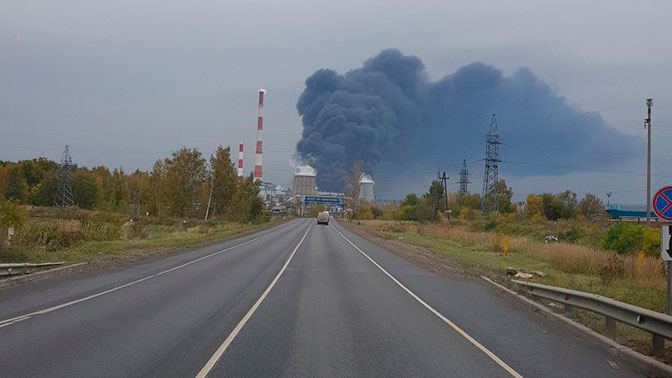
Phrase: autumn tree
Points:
(534, 206)
(504, 196)
(138, 190)
(184, 174)
(591, 207)
(224, 183)
(16, 187)
(352, 187)
(247, 206)
(84, 188)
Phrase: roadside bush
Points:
(364, 213)
(11, 213)
(13, 254)
(133, 230)
(625, 238)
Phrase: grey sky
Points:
(125, 83)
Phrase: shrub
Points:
(11, 213)
(364, 213)
(651, 242)
(625, 238)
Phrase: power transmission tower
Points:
(489, 200)
(464, 178)
(647, 124)
(608, 198)
(64, 197)
(444, 183)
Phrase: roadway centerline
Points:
(435, 312)
(222, 348)
(16, 319)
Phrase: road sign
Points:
(662, 203)
(666, 255)
(666, 242)
(325, 200)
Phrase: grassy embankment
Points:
(638, 281)
(79, 235)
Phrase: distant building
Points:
(366, 189)
(305, 185)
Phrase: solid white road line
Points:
(222, 348)
(8, 322)
(435, 312)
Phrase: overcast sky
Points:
(127, 82)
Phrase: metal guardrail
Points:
(658, 324)
(11, 269)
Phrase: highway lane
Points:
(166, 326)
(335, 313)
(332, 312)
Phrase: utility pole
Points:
(647, 125)
(438, 198)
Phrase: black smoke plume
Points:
(391, 117)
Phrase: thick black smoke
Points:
(388, 114)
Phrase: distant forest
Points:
(177, 186)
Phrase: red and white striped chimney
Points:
(240, 160)
(260, 126)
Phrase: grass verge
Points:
(85, 236)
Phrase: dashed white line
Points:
(8, 322)
(435, 312)
(222, 348)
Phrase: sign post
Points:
(662, 206)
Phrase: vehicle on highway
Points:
(323, 217)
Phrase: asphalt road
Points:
(297, 300)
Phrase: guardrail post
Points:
(657, 345)
(569, 309)
(610, 326)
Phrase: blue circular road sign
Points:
(662, 203)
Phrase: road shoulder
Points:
(446, 266)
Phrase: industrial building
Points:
(304, 185)
(366, 193)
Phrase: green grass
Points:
(155, 236)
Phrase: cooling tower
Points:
(304, 185)
(366, 189)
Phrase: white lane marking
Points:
(8, 322)
(435, 312)
(222, 348)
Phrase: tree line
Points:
(431, 206)
(177, 186)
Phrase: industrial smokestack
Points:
(260, 126)
(240, 160)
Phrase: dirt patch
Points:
(425, 259)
